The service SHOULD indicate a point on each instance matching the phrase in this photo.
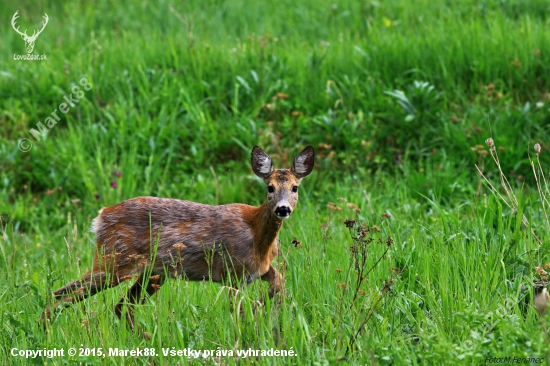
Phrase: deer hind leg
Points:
(88, 285)
(152, 285)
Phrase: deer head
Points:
(282, 184)
(29, 41)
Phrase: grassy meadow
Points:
(397, 97)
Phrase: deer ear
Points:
(261, 163)
(303, 164)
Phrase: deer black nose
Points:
(283, 211)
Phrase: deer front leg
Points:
(275, 280)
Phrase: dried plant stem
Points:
(370, 313)
(513, 205)
(543, 200)
(503, 179)
(365, 275)
(368, 201)
(543, 195)
(493, 188)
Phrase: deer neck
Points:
(266, 226)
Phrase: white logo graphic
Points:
(29, 41)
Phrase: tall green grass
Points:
(460, 289)
(393, 95)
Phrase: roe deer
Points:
(150, 238)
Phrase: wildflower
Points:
(113, 184)
(96, 196)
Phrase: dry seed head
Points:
(490, 142)
(537, 148)
(542, 273)
(179, 247)
(333, 207)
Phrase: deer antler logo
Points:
(29, 41)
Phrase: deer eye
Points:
(295, 189)
(270, 189)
